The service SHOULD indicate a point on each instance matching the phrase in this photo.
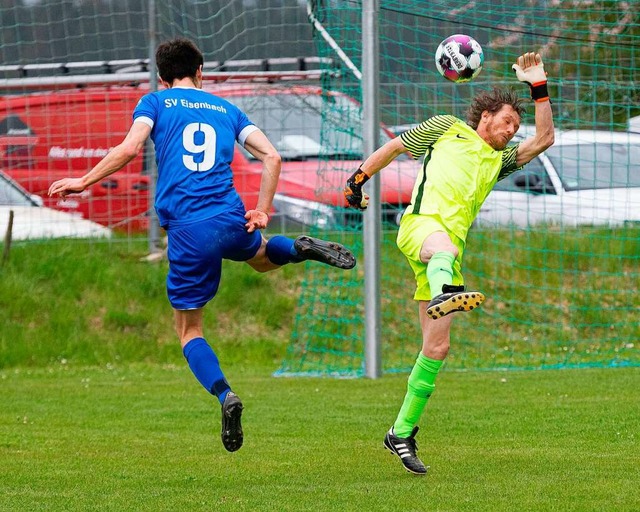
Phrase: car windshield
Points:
(599, 165)
(308, 125)
(10, 195)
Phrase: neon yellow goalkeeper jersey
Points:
(459, 171)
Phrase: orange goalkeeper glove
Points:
(353, 191)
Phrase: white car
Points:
(33, 221)
(586, 178)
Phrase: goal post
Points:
(372, 227)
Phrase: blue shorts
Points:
(196, 252)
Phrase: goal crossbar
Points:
(133, 71)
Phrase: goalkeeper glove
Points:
(353, 191)
(529, 69)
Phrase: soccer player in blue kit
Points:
(194, 133)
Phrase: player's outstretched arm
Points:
(115, 160)
(260, 147)
(530, 70)
(378, 160)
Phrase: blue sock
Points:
(205, 366)
(280, 250)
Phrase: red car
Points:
(50, 135)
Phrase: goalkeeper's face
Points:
(498, 128)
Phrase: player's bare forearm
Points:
(383, 156)
(269, 182)
(115, 160)
(258, 218)
(122, 154)
(544, 137)
(544, 125)
(378, 160)
(260, 147)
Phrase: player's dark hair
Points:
(492, 101)
(178, 58)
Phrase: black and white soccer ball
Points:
(459, 58)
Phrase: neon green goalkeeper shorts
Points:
(414, 229)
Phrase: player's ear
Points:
(164, 83)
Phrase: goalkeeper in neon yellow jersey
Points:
(462, 163)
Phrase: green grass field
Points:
(99, 411)
(146, 437)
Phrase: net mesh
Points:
(559, 279)
(57, 119)
(561, 291)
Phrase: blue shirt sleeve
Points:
(243, 121)
(147, 107)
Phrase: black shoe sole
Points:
(232, 436)
(389, 447)
(463, 301)
(331, 253)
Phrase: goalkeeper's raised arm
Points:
(530, 70)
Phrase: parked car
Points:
(586, 178)
(32, 220)
(50, 135)
(47, 136)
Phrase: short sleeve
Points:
(509, 165)
(244, 127)
(146, 110)
(419, 139)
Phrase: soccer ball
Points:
(459, 58)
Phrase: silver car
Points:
(587, 177)
(31, 220)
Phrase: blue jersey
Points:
(194, 133)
